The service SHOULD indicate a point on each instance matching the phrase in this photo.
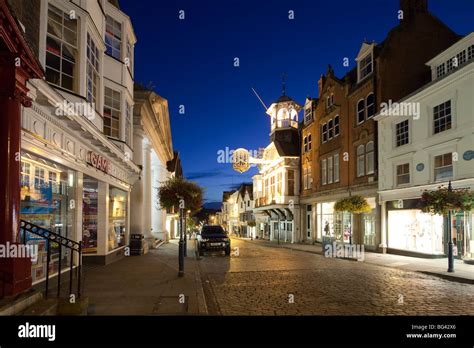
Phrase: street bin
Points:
(137, 242)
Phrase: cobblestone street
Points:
(264, 280)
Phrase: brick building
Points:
(345, 163)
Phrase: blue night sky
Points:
(190, 63)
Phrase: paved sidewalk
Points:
(438, 267)
(146, 285)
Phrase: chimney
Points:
(411, 8)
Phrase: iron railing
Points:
(73, 246)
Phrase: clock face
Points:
(240, 160)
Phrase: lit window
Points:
(360, 111)
(92, 71)
(403, 174)
(360, 160)
(365, 66)
(330, 170)
(25, 174)
(443, 167)
(39, 178)
(370, 157)
(370, 105)
(61, 49)
(112, 113)
(336, 168)
(402, 133)
(442, 117)
(113, 37)
(53, 182)
(323, 172)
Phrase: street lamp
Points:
(450, 243)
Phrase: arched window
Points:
(360, 160)
(361, 111)
(370, 102)
(370, 157)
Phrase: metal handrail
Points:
(74, 246)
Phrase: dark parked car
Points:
(212, 238)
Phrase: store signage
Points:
(468, 155)
(98, 162)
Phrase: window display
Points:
(47, 191)
(117, 218)
(415, 231)
(89, 215)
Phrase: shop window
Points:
(39, 178)
(112, 113)
(402, 133)
(403, 174)
(413, 230)
(360, 160)
(113, 37)
(443, 167)
(361, 111)
(25, 174)
(442, 117)
(61, 49)
(370, 157)
(90, 195)
(45, 202)
(92, 71)
(370, 105)
(117, 218)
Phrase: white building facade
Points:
(276, 196)
(153, 149)
(77, 166)
(429, 146)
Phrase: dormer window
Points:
(308, 114)
(365, 66)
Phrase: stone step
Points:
(14, 305)
(45, 307)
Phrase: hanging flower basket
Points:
(353, 204)
(443, 200)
